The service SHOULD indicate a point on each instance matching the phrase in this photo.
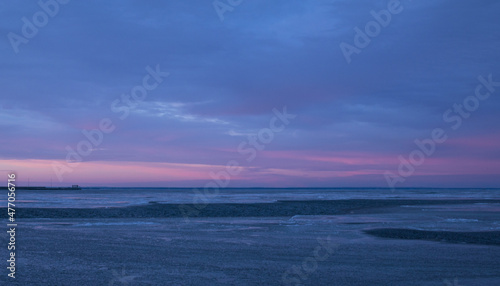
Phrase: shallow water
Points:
(256, 250)
(108, 197)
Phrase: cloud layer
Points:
(353, 119)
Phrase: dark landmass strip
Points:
(277, 209)
(42, 188)
(485, 237)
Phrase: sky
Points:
(283, 93)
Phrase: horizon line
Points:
(139, 187)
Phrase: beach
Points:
(399, 240)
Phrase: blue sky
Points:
(353, 120)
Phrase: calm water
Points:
(115, 197)
(458, 217)
(253, 250)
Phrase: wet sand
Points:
(483, 237)
(361, 242)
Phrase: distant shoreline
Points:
(43, 188)
(257, 188)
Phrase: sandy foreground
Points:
(345, 242)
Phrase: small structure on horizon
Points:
(75, 187)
